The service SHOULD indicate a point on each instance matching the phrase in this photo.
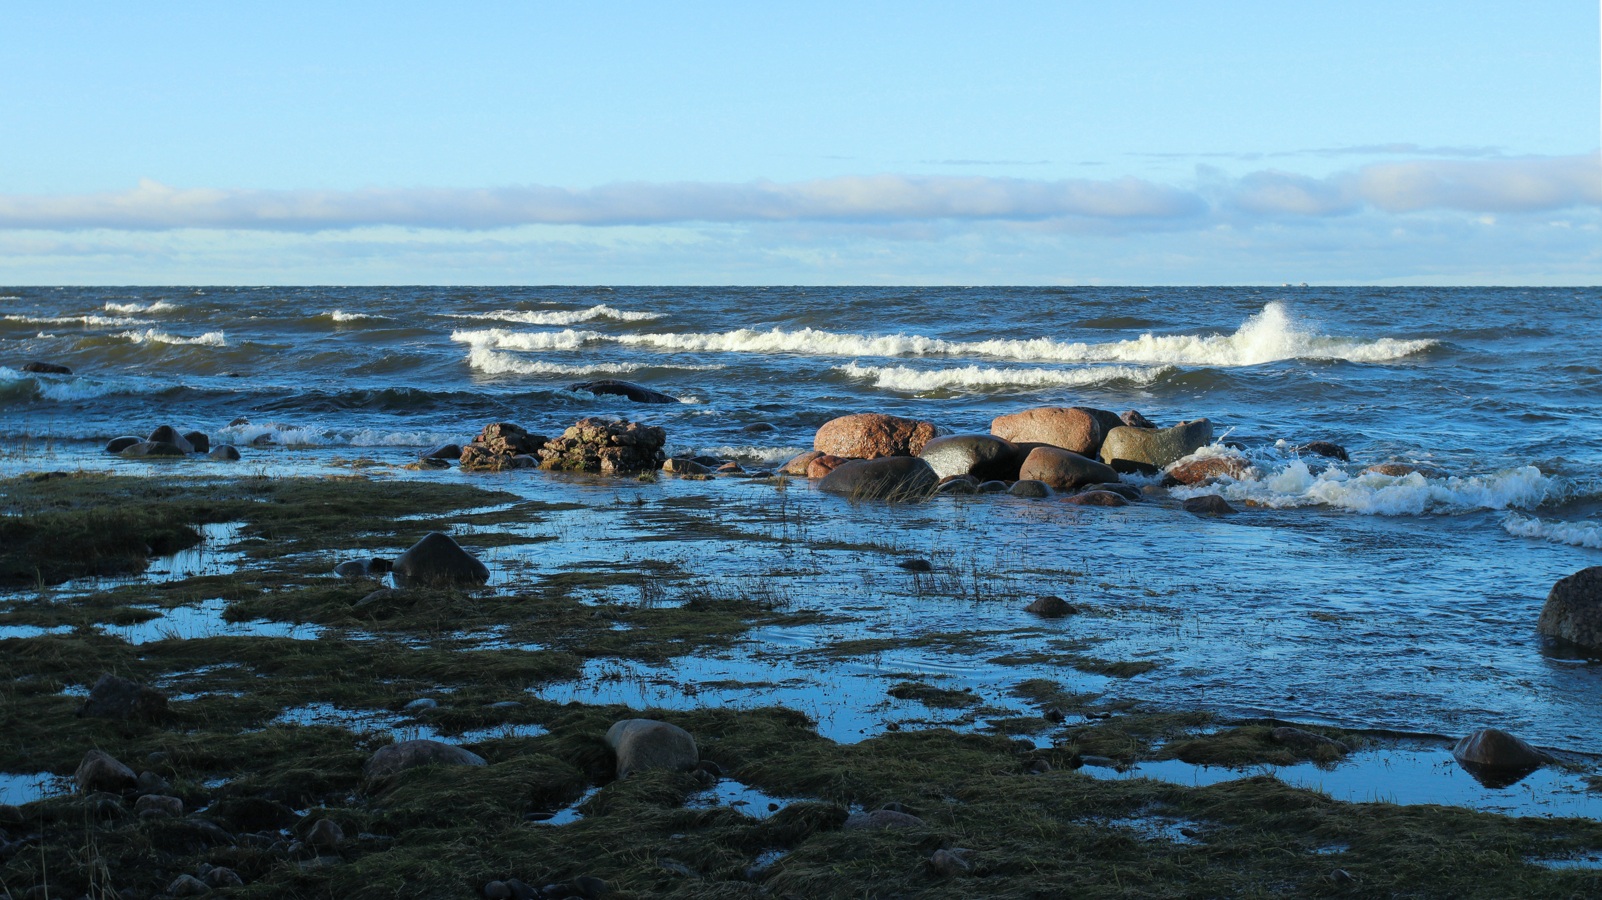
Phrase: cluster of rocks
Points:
(606, 446)
(166, 442)
(498, 446)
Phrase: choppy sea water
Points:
(1363, 600)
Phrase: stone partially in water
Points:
(1097, 498)
(1050, 607)
(1209, 505)
(605, 446)
(886, 478)
(224, 453)
(634, 392)
(1062, 469)
(1327, 449)
(797, 465)
(45, 368)
(1074, 428)
(1033, 490)
(152, 450)
(438, 561)
(117, 445)
(982, 456)
(166, 434)
(643, 744)
(1496, 758)
(821, 464)
(1573, 610)
(873, 435)
(1148, 450)
(1194, 470)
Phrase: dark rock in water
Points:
(993, 487)
(166, 434)
(822, 464)
(950, 863)
(1496, 758)
(198, 440)
(797, 466)
(873, 435)
(1097, 498)
(1134, 419)
(1194, 470)
(44, 368)
(1208, 505)
(224, 453)
(1074, 428)
(438, 561)
(643, 744)
(983, 456)
(398, 757)
(1148, 450)
(238, 421)
(915, 565)
(443, 451)
(117, 445)
(1324, 448)
(1050, 608)
(881, 819)
(1573, 610)
(959, 484)
(758, 428)
(684, 467)
(634, 392)
(1306, 742)
(100, 771)
(605, 446)
(1127, 491)
(153, 449)
(118, 698)
(885, 478)
(1063, 470)
(1034, 490)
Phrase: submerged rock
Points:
(643, 744)
(393, 759)
(224, 453)
(438, 561)
(117, 445)
(1573, 610)
(606, 446)
(100, 771)
(45, 368)
(199, 441)
(684, 467)
(885, 478)
(1194, 470)
(981, 456)
(1496, 758)
(1050, 607)
(166, 434)
(443, 451)
(873, 435)
(113, 697)
(1209, 505)
(1402, 470)
(797, 465)
(1148, 450)
(634, 392)
(153, 449)
(1324, 448)
(1097, 498)
(1074, 428)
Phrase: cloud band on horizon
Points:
(1479, 186)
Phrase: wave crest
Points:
(1373, 494)
(152, 336)
(1576, 534)
(561, 316)
(156, 307)
(917, 381)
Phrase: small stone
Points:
(117, 445)
(1208, 505)
(396, 758)
(1034, 490)
(222, 877)
(643, 744)
(950, 863)
(1050, 607)
(1039, 767)
(158, 806)
(1341, 876)
(375, 598)
(1324, 448)
(325, 835)
(915, 565)
(497, 890)
(151, 783)
(118, 698)
(521, 890)
(100, 771)
(188, 886)
(1097, 498)
(684, 467)
(992, 487)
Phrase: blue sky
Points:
(1142, 143)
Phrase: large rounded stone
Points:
(797, 466)
(152, 449)
(822, 464)
(166, 434)
(886, 478)
(224, 453)
(643, 744)
(1573, 610)
(1194, 470)
(1497, 759)
(983, 456)
(119, 444)
(1073, 428)
(199, 441)
(1063, 470)
(1033, 490)
(113, 697)
(393, 759)
(438, 561)
(100, 771)
(873, 435)
(1148, 450)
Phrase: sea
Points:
(1335, 595)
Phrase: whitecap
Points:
(491, 362)
(156, 307)
(560, 316)
(288, 435)
(90, 320)
(66, 388)
(501, 339)
(152, 336)
(341, 316)
(1577, 534)
(767, 456)
(1370, 493)
(909, 380)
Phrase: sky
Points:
(821, 143)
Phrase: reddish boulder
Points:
(797, 466)
(1097, 498)
(1573, 610)
(1194, 470)
(1073, 428)
(1063, 470)
(873, 435)
(823, 464)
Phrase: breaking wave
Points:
(152, 336)
(341, 316)
(560, 316)
(91, 320)
(1370, 493)
(156, 307)
(1577, 534)
(915, 381)
(287, 435)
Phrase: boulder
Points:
(117, 445)
(166, 434)
(393, 759)
(881, 819)
(152, 806)
(983, 456)
(188, 886)
(443, 451)
(325, 834)
(1064, 470)
(112, 697)
(1324, 448)
(1208, 505)
(497, 446)
(100, 771)
(1193, 470)
(629, 389)
(45, 368)
(1496, 758)
(684, 467)
(1134, 419)
(993, 487)
(950, 863)
(152, 450)
(643, 744)
(1097, 498)
(759, 428)
(224, 453)
(1034, 490)
(1148, 450)
(359, 569)
(873, 435)
(1075, 428)
(605, 446)
(1127, 491)
(885, 478)
(1050, 608)
(959, 484)
(438, 561)
(822, 464)
(797, 466)
(199, 441)
(1573, 610)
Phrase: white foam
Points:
(152, 336)
(282, 434)
(1370, 493)
(560, 316)
(66, 388)
(158, 306)
(340, 316)
(768, 456)
(1577, 534)
(903, 378)
(1268, 336)
(491, 362)
(92, 320)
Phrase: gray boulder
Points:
(45, 368)
(1208, 505)
(1147, 450)
(438, 561)
(117, 445)
(166, 434)
(885, 478)
(643, 744)
(199, 441)
(100, 771)
(393, 759)
(1034, 490)
(112, 697)
(152, 450)
(1573, 610)
(1497, 759)
(224, 453)
(983, 456)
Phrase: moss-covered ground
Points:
(255, 780)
